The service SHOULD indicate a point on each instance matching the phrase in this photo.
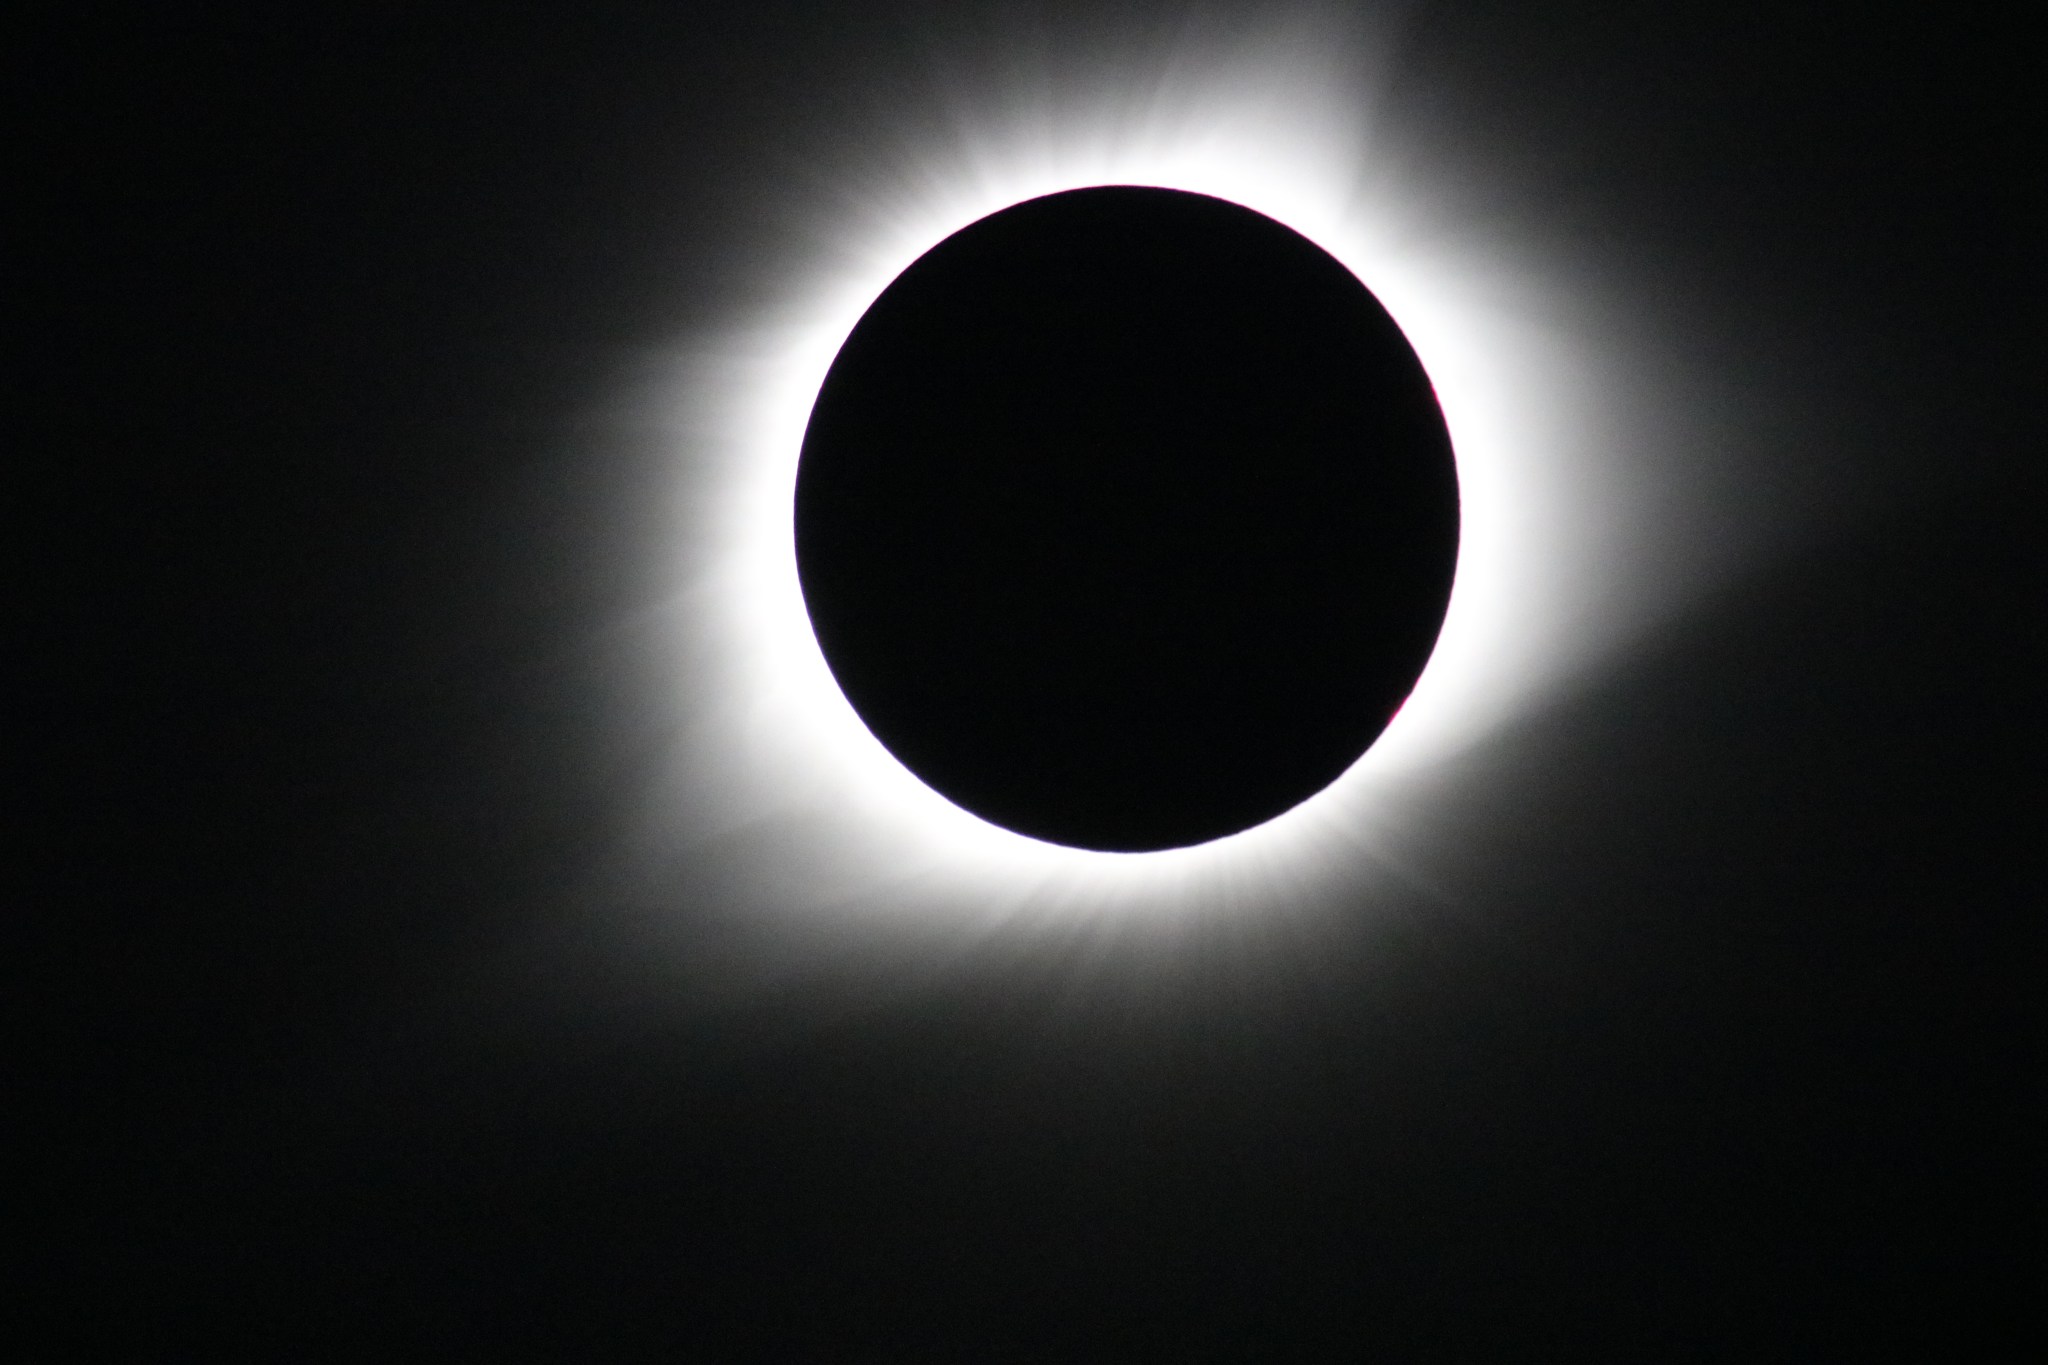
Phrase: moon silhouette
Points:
(1126, 518)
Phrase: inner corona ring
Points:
(1126, 518)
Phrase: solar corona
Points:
(1129, 492)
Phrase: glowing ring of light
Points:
(775, 741)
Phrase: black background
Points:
(1723, 1055)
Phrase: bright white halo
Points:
(777, 765)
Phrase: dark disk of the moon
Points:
(1126, 518)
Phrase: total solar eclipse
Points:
(1126, 518)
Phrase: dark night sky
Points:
(1715, 1042)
